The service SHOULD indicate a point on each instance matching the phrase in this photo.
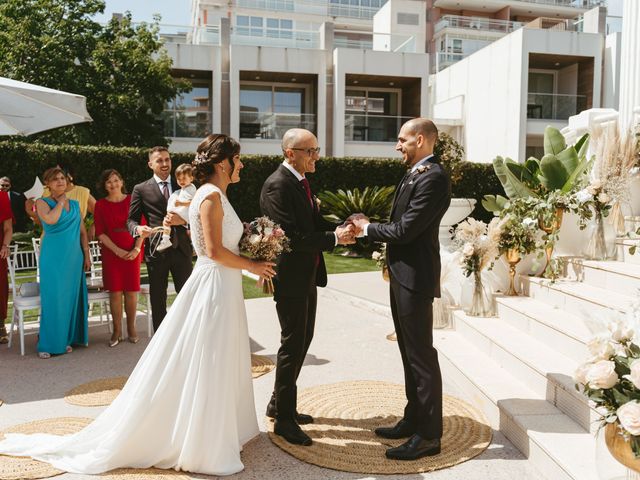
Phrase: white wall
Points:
(494, 84)
(273, 59)
(611, 71)
(368, 62)
(386, 21)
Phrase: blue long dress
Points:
(63, 285)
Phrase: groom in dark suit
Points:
(413, 256)
(149, 199)
(286, 198)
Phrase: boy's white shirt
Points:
(185, 194)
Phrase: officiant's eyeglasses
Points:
(309, 151)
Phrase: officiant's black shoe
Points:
(414, 448)
(402, 429)
(291, 432)
(301, 418)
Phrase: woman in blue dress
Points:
(64, 257)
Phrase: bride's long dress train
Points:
(188, 405)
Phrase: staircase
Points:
(518, 367)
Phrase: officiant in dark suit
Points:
(149, 200)
(287, 199)
(413, 257)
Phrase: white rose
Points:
(376, 256)
(468, 249)
(268, 231)
(629, 417)
(580, 375)
(620, 330)
(255, 238)
(592, 191)
(634, 376)
(584, 196)
(530, 222)
(602, 374)
(600, 348)
(596, 184)
(603, 198)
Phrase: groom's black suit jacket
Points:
(413, 249)
(147, 200)
(284, 200)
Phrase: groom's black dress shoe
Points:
(402, 429)
(301, 418)
(291, 432)
(414, 448)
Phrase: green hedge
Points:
(22, 162)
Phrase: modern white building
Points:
(353, 71)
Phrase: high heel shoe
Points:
(113, 343)
(134, 339)
(69, 349)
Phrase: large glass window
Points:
(540, 100)
(267, 111)
(372, 115)
(189, 114)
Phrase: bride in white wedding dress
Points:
(188, 404)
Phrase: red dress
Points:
(118, 274)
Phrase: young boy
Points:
(179, 200)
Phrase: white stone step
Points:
(592, 304)
(556, 445)
(620, 277)
(562, 331)
(544, 370)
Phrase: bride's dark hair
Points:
(214, 149)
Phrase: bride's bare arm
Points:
(211, 215)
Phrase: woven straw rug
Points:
(260, 365)
(20, 468)
(346, 414)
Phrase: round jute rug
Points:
(97, 393)
(15, 468)
(260, 365)
(345, 415)
(147, 474)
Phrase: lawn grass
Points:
(335, 262)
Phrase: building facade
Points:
(352, 71)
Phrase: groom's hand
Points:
(358, 220)
(346, 234)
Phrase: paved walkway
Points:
(349, 344)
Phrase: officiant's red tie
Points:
(307, 188)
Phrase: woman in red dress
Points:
(121, 253)
(6, 232)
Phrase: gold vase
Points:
(619, 448)
(550, 228)
(513, 257)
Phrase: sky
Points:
(174, 12)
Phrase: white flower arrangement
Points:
(611, 378)
(478, 243)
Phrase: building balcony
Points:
(266, 37)
(444, 59)
(313, 7)
(372, 127)
(477, 24)
(473, 4)
(385, 42)
(272, 126)
(187, 123)
(551, 106)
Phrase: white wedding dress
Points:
(188, 404)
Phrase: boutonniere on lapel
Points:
(317, 202)
(419, 170)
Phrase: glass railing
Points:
(551, 106)
(386, 42)
(476, 23)
(266, 125)
(582, 4)
(266, 37)
(372, 128)
(444, 59)
(313, 7)
(190, 123)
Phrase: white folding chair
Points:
(36, 251)
(145, 292)
(21, 262)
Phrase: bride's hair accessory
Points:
(200, 158)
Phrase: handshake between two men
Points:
(352, 228)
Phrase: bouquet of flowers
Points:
(478, 243)
(611, 378)
(380, 256)
(596, 196)
(264, 240)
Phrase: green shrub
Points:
(22, 162)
